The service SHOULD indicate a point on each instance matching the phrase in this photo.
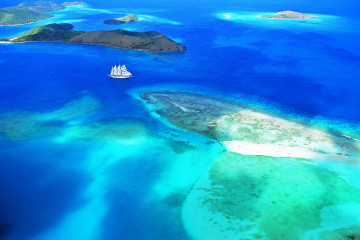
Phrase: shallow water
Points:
(107, 168)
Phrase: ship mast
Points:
(119, 70)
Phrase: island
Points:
(41, 6)
(127, 19)
(30, 12)
(12, 16)
(288, 15)
(150, 41)
(72, 4)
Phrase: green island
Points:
(29, 12)
(150, 41)
(288, 15)
(127, 19)
(12, 16)
(41, 6)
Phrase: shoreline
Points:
(103, 45)
(21, 24)
(281, 151)
(277, 18)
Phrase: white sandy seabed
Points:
(315, 152)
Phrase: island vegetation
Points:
(16, 16)
(288, 15)
(127, 19)
(29, 12)
(150, 41)
(41, 6)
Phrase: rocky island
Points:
(127, 19)
(288, 15)
(150, 41)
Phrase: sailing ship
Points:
(120, 72)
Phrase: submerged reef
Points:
(249, 132)
(70, 122)
(273, 182)
(117, 130)
(257, 197)
(349, 233)
(22, 125)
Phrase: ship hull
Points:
(113, 76)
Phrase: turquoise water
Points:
(81, 158)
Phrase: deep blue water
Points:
(305, 70)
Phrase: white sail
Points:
(129, 74)
(116, 72)
(119, 70)
(112, 71)
(125, 72)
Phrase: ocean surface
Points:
(63, 173)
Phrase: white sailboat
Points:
(120, 72)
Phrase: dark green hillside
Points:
(50, 33)
(15, 15)
(41, 6)
(147, 34)
(146, 41)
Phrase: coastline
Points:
(21, 24)
(103, 45)
(277, 18)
